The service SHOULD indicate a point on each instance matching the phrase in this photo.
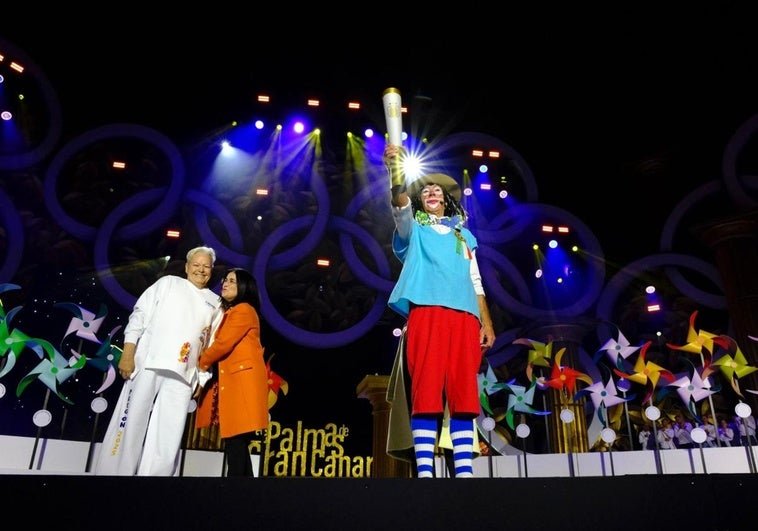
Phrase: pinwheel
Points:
(603, 395)
(105, 360)
(617, 350)
(539, 354)
(276, 384)
(520, 400)
(84, 323)
(646, 373)
(3, 288)
(52, 371)
(564, 378)
(488, 384)
(692, 388)
(698, 342)
(733, 367)
(14, 341)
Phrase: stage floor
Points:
(688, 501)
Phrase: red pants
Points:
(444, 357)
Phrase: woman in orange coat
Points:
(238, 390)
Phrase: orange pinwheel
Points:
(646, 373)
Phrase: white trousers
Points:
(146, 429)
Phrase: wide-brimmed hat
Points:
(445, 181)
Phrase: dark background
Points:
(618, 111)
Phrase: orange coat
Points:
(241, 372)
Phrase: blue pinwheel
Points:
(521, 400)
(488, 385)
(105, 359)
(51, 371)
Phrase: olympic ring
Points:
(52, 136)
(295, 333)
(159, 215)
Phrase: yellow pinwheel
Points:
(698, 342)
(538, 355)
(733, 363)
(646, 373)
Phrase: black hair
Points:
(452, 206)
(247, 289)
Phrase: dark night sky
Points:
(618, 111)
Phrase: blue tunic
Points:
(433, 273)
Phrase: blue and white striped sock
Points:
(424, 432)
(462, 435)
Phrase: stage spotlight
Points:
(259, 124)
(6, 115)
(368, 133)
(553, 244)
(650, 290)
(299, 127)
(503, 194)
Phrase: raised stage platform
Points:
(702, 502)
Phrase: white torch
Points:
(393, 115)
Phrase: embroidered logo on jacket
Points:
(184, 355)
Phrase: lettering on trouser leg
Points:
(122, 425)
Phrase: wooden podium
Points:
(374, 388)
